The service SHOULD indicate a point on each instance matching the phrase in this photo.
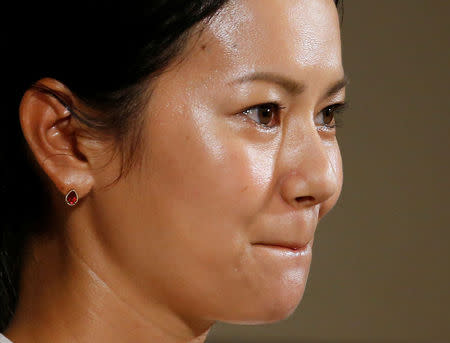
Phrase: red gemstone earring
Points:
(71, 197)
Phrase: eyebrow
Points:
(292, 86)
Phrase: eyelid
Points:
(276, 103)
(339, 106)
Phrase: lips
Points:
(283, 245)
(291, 232)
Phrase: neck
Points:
(64, 298)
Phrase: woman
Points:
(177, 157)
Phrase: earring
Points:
(71, 197)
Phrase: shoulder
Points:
(3, 339)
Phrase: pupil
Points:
(328, 116)
(266, 115)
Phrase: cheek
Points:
(200, 173)
(201, 185)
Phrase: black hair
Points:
(106, 55)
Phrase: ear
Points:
(51, 133)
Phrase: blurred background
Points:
(381, 258)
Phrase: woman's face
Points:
(215, 179)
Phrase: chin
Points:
(269, 307)
(280, 307)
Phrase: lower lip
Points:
(285, 251)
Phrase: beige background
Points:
(381, 270)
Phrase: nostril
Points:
(306, 198)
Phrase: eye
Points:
(327, 117)
(266, 115)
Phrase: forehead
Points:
(275, 34)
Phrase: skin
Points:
(171, 248)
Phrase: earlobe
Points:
(50, 132)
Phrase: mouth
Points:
(278, 246)
(293, 248)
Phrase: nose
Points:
(310, 176)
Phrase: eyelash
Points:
(335, 109)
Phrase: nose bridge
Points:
(309, 175)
